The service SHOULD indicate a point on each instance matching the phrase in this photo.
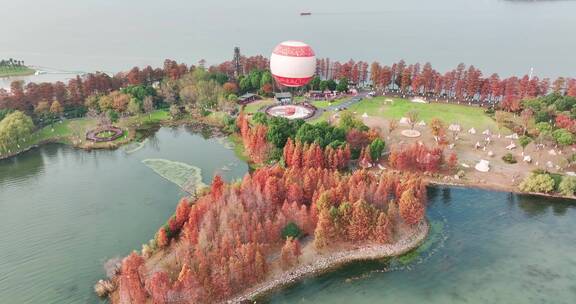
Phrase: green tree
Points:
(4, 113)
(245, 84)
(342, 85)
(291, 230)
(524, 141)
(321, 133)
(567, 185)
(544, 127)
(280, 128)
(255, 78)
(266, 78)
(113, 116)
(139, 92)
(208, 94)
(376, 148)
(563, 137)
(331, 84)
(315, 83)
(134, 107)
(232, 97)
(348, 121)
(14, 128)
(542, 183)
(260, 118)
(323, 85)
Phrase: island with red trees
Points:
(239, 240)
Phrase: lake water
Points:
(63, 212)
(486, 247)
(507, 37)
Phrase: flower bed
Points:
(292, 111)
(104, 134)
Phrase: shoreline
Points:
(26, 72)
(492, 187)
(335, 260)
(113, 145)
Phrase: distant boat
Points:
(305, 14)
(39, 72)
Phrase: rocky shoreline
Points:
(334, 260)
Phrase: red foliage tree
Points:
(217, 187)
(131, 288)
(383, 229)
(411, 209)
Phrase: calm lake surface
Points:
(507, 37)
(63, 212)
(486, 247)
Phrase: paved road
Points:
(346, 104)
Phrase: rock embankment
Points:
(325, 262)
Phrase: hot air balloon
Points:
(293, 63)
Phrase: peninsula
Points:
(12, 67)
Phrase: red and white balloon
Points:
(293, 63)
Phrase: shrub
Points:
(260, 118)
(291, 230)
(376, 148)
(509, 158)
(543, 183)
(205, 112)
(113, 116)
(567, 185)
(232, 97)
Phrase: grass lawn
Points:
(141, 119)
(58, 132)
(253, 107)
(324, 103)
(323, 117)
(449, 113)
(16, 71)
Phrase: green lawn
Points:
(152, 118)
(449, 113)
(253, 107)
(324, 103)
(16, 71)
(58, 132)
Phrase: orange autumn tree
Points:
(312, 155)
(229, 235)
(417, 157)
(254, 139)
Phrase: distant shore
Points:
(20, 71)
(327, 262)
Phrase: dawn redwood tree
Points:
(131, 289)
(324, 232)
(411, 209)
(158, 287)
(217, 187)
(383, 229)
(162, 239)
(362, 221)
